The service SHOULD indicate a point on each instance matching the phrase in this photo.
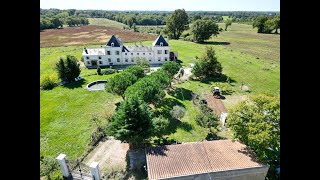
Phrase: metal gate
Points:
(79, 170)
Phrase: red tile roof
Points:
(197, 158)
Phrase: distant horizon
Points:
(164, 5)
(157, 10)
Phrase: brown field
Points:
(84, 35)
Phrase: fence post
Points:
(63, 165)
(94, 168)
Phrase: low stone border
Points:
(93, 83)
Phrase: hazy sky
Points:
(166, 5)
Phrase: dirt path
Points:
(111, 155)
(215, 104)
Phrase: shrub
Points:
(108, 71)
(48, 83)
(47, 166)
(177, 112)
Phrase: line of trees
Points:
(267, 24)
(134, 121)
(55, 18)
(157, 17)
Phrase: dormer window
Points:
(112, 44)
(161, 43)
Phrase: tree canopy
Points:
(171, 68)
(68, 68)
(119, 83)
(267, 24)
(203, 29)
(131, 122)
(208, 65)
(227, 23)
(256, 123)
(176, 23)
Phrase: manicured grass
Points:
(106, 22)
(65, 112)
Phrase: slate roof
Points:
(115, 40)
(197, 158)
(158, 40)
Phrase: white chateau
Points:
(115, 53)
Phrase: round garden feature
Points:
(96, 85)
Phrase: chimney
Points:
(85, 50)
(140, 43)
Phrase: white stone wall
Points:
(161, 56)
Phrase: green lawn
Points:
(65, 112)
(105, 22)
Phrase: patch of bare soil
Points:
(84, 35)
(216, 105)
(111, 155)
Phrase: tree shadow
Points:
(137, 168)
(248, 152)
(221, 78)
(165, 106)
(211, 136)
(181, 93)
(158, 151)
(75, 84)
(215, 43)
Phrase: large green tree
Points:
(176, 23)
(260, 23)
(204, 29)
(135, 70)
(119, 83)
(256, 123)
(132, 122)
(68, 68)
(207, 66)
(171, 68)
(227, 23)
(159, 126)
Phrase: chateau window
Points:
(166, 51)
(132, 60)
(88, 57)
(108, 53)
(125, 53)
(131, 53)
(126, 60)
(159, 59)
(109, 59)
(112, 44)
(137, 53)
(161, 43)
(118, 59)
(149, 53)
(117, 52)
(149, 59)
(159, 51)
(88, 62)
(99, 57)
(100, 62)
(144, 53)
(166, 59)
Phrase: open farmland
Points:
(85, 35)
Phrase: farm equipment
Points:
(216, 92)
